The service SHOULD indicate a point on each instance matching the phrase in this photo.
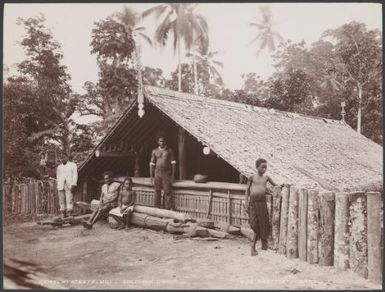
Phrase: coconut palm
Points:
(266, 36)
(208, 57)
(182, 22)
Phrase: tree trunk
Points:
(359, 87)
(358, 257)
(341, 233)
(302, 225)
(326, 231)
(312, 227)
(374, 237)
(179, 67)
(195, 66)
(182, 154)
(161, 213)
(283, 224)
(292, 225)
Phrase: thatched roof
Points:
(300, 149)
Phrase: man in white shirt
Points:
(67, 178)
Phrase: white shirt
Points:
(110, 191)
(66, 175)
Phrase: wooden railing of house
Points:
(342, 229)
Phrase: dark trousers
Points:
(162, 179)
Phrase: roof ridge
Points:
(172, 93)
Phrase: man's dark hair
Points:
(109, 173)
(127, 178)
(161, 135)
(259, 161)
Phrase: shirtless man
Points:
(256, 207)
(164, 164)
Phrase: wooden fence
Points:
(343, 230)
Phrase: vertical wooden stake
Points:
(182, 153)
(302, 225)
(292, 225)
(374, 237)
(326, 231)
(341, 232)
(229, 206)
(283, 224)
(358, 257)
(312, 227)
(275, 218)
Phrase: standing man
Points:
(164, 163)
(67, 178)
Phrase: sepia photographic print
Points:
(193, 146)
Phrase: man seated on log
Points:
(164, 163)
(122, 213)
(108, 199)
(255, 204)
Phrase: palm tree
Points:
(208, 57)
(266, 36)
(182, 22)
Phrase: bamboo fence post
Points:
(284, 218)
(312, 227)
(229, 206)
(341, 233)
(326, 230)
(374, 204)
(302, 225)
(275, 218)
(269, 204)
(358, 257)
(292, 225)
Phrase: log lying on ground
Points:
(162, 213)
(62, 221)
(205, 223)
(247, 232)
(226, 227)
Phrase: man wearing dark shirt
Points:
(163, 162)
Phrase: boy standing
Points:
(256, 205)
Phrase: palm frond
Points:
(255, 39)
(260, 26)
(146, 38)
(158, 10)
(220, 64)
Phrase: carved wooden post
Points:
(374, 237)
(283, 223)
(326, 230)
(275, 219)
(182, 153)
(341, 232)
(302, 225)
(269, 203)
(358, 257)
(312, 227)
(292, 225)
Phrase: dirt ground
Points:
(144, 259)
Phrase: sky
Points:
(229, 33)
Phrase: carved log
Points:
(284, 218)
(302, 225)
(374, 237)
(312, 227)
(182, 153)
(358, 249)
(341, 233)
(292, 225)
(326, 229)
(161, 213)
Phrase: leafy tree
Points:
(359, 52)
